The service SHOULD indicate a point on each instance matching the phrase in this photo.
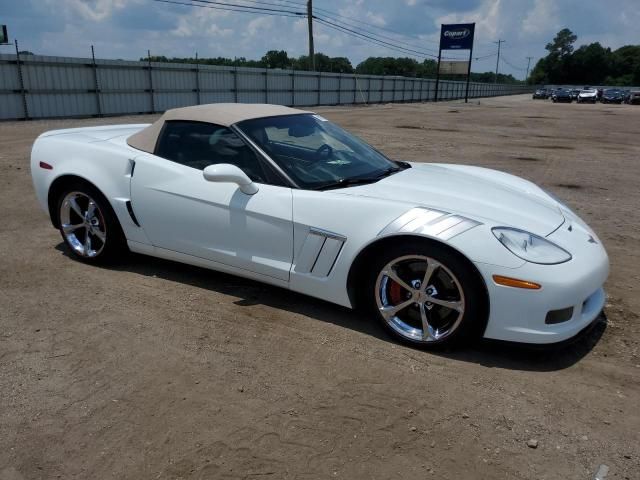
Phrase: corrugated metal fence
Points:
(46, 87)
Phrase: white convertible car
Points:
(438, 253)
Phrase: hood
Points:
(478, 193)
(588, 94)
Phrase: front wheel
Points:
(426, 295)
(88, 225)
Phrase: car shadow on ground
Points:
(488, 353)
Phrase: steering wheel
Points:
(324, 152)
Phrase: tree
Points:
(324, 63)
(590, 64)
(560, 50)
(276, 59)
(626, 65)
(408, 67)
(562, 44)
(341, 64)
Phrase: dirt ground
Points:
(160, 370)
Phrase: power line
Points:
(485, 56)
(237, 5)
(332, 18)
(370, 37)
(349, 21)
(354, 33)
(291, 13)
(337, 16)
(506, 61)
(379, 35)
(232, 9)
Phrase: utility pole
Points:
(312, 57)
(499, 42)
(528, 65)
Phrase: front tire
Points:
(426, 295)
(88, 224)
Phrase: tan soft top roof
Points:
(225, 114)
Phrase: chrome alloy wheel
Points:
(82, 224)
(420, 298)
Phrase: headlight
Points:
(530, 247)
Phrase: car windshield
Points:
(318, 154)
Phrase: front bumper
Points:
(520, 315)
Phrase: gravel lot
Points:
(159, 370)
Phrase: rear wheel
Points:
(426, 295)
(88, 225)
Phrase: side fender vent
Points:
(319, 253)
(131, 214)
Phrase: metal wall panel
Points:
(123, 103)
(166, 101)
(61, 104)
(63, 87)
(11, 106)
(9, 76)
(123, 79)
(226, 96)
(280, 98)
(329, 98)
(215, 79)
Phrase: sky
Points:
(126, 29)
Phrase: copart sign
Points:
(458, 36)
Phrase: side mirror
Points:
(227, 173)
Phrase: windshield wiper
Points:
(350, 182)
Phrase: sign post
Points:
(4, 38)
(457, 36)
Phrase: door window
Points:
(198, 145)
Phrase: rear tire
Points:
(426, 295)
(88, 225)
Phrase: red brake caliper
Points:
(395, 293)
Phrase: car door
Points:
(181, 211)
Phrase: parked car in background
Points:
(541, 93)
(625, 95)
(634, 98)
(574, 93)
(588, 96)
(561, 96)
(612, 95)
